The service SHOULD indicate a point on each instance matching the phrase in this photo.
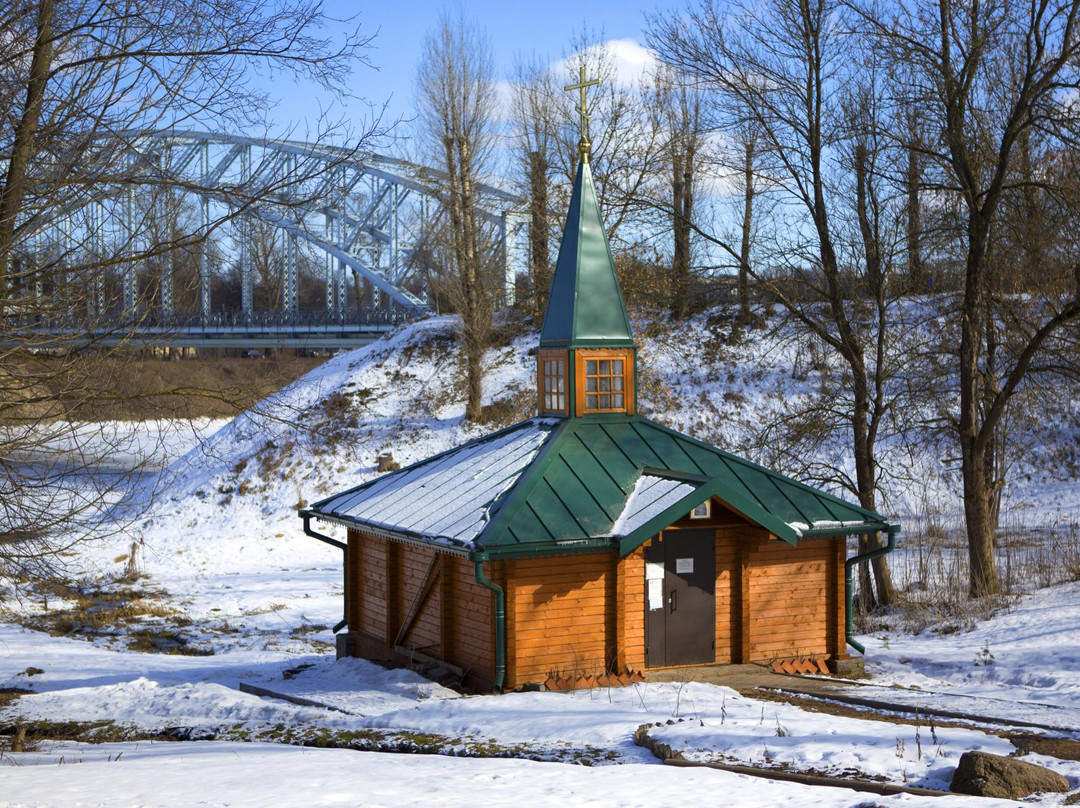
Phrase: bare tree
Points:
(456, 89)
(679, 107)
(80, 84)
(786, 66)
(986, 77)
(536, 116)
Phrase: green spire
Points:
(585, 308)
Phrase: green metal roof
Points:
(579, 484)
(585, 307)
(549, 486)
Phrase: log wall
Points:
(583, 615)
(424, 600)
(792, 600)
(561, 616)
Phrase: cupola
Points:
(586, 361)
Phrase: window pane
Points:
(616, 366)
(558, 366)
(590, 384)
(605, 367)
(547, 402)
(590, 402)
(590, 367)
(617, 400)
(605, 383)
(605, 403)
(616, 383)
(560, 384)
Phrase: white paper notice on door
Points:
(684, 566)
(654, 572)
(656, 593)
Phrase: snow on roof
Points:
(825, 524)
(651, 496)
(449, 496)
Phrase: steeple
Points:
(585, 364)
(585, 307)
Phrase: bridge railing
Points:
(236, 321)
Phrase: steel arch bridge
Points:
(363, 213)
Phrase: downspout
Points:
(344, 571)
(849, 566)
(500, 623)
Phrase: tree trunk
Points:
(747, 223)
(682, 200)
(917, 281)
(538, 229)
(475, 314)
(862, 438)
(23, 143)
(983, 575)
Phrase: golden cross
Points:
(583, 145)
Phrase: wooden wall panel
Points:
(836, 604)
(564, 616)
(372, 590)
(790, 612)
(472, 621)
(728, 602)
(414, 568)
(353, 553)
(630, 602)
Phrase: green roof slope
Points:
(551, 486)
(585, 307)
(579, 483)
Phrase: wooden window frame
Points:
(593, 354)
(551, 355)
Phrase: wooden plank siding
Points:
(424, 632)
(453, 622)
(728, 596)
(791, 609)
(473, 623)
(561, 617)
(630, 602)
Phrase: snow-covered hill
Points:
(762, 396)
(232, 583)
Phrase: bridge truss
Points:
(359, 214)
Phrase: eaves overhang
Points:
(441, 543)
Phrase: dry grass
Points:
(931, 572)
(143, 617)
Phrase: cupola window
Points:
(604, 385)
(553, 385)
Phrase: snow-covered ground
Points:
(231, 579)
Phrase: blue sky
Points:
(543, 28)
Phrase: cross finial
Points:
(583, 145)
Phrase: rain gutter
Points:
(500, 623)
(306, 516)
(849, 566)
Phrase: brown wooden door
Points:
(680, 598)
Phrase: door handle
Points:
(671, 601)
